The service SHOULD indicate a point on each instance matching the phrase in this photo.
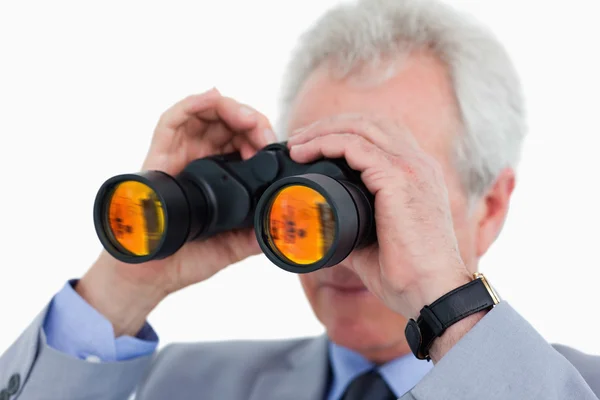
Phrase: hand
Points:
(416, 259)
(196, 127)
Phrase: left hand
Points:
(416, 258)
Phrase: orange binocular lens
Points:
(300, 224)
(135, 218)
(307, 222)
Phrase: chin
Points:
(357, 335)
(353, 317)
(362, 323)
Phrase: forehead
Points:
(415, 91)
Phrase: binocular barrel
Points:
(305, 216)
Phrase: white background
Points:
(83, 83)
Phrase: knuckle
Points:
(228, 103)
(368, 126)
(364, 145)
(263, 121)
(411, 173)
(191, 97)
(401, 163)
(164, 117)
(418, 167)
(353, 144)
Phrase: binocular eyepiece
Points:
(305, 216)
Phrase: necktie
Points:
(368, 386)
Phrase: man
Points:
(427, 106)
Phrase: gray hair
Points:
(486, 85)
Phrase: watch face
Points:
(413, 337)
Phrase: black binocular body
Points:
(306, 216)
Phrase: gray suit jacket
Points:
(501, 358)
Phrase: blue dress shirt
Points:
(401, 374)
(74, 327)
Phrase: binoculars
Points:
(305, 216)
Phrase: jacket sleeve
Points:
(502, 357)
(32, 370)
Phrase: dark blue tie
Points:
(369, 386)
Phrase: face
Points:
(417, 95)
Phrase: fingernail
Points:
(270, 135)
(296, 147)
(293, 138)
(244, 110)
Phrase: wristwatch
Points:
(433, 320)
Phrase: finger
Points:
(377, 131)
(360, 154)
(212, 107)
(261, 134)
(241, 119)
(243, 146)
(182, 111)
(219, 134)
(236, 115)
(237, 143)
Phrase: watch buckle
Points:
(490, 289)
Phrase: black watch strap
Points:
(434, 319)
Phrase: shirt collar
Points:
(401, 374)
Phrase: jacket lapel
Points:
(303, 375)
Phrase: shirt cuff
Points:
(74, 327)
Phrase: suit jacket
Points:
(501, 358)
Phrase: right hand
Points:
(198, 126)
